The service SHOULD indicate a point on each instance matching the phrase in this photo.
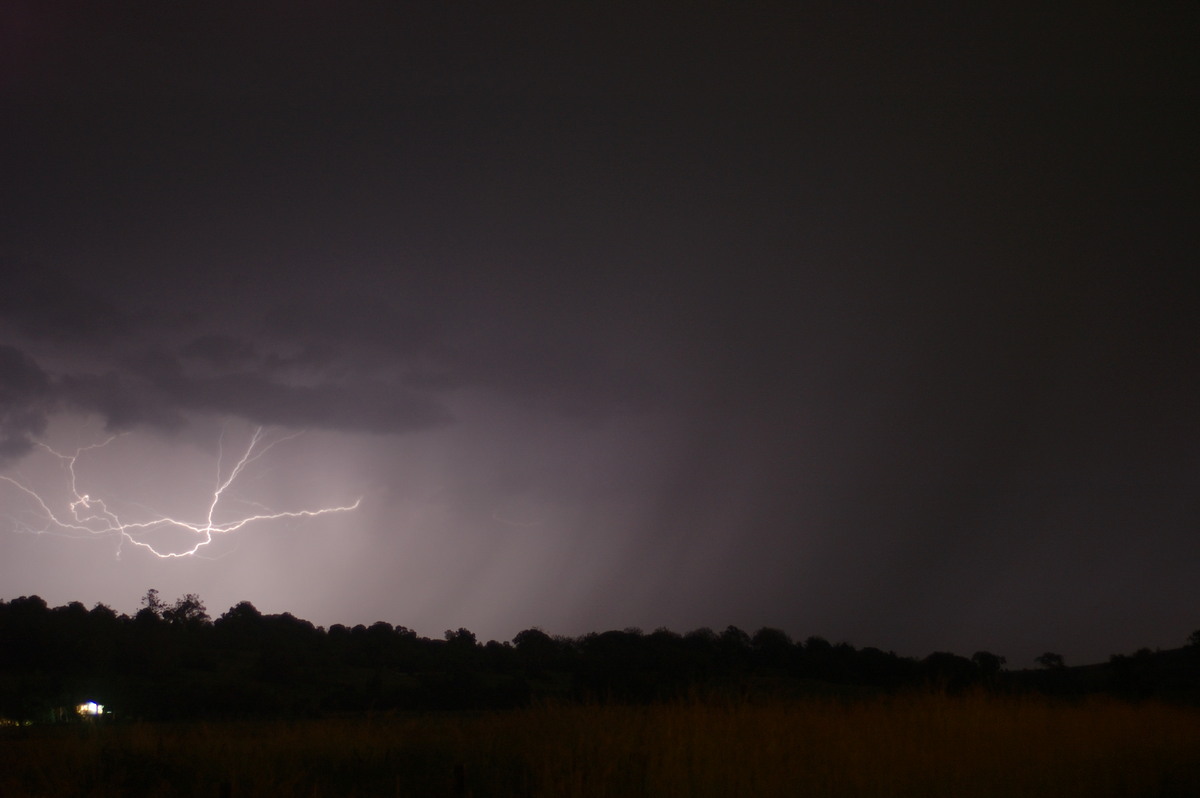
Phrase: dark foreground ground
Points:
(916, 744)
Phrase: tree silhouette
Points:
(989, 664)
(187, 610)
(948, 671)
(772, 648)
(170, 662)
(152, 604)
(242, 614)
(536, 650)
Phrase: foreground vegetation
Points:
(269, 705)
(171, 662)
(927, 744)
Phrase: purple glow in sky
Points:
(82, 512)
(869, 325)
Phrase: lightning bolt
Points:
(87, 515)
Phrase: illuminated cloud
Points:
(89, 515)
(24, 402)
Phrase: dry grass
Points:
(922, 745)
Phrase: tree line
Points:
(171, 660)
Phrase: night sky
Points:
(868, 324)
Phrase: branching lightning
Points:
(86, 515)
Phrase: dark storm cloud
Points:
(342, 329)
(330, 50)
(299, 380)
(24, 402)
(123, 402)
(91, 360)
(359, 405)
(862, 324)
(43, 302)
(154, 390)
(345, 359)
(220, 351)
(525, 337)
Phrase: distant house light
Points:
(90, 708)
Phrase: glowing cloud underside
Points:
(89, 515)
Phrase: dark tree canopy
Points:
(171, 661)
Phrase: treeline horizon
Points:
(174, 661)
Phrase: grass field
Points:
(918, 745)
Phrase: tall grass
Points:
(918, 745)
